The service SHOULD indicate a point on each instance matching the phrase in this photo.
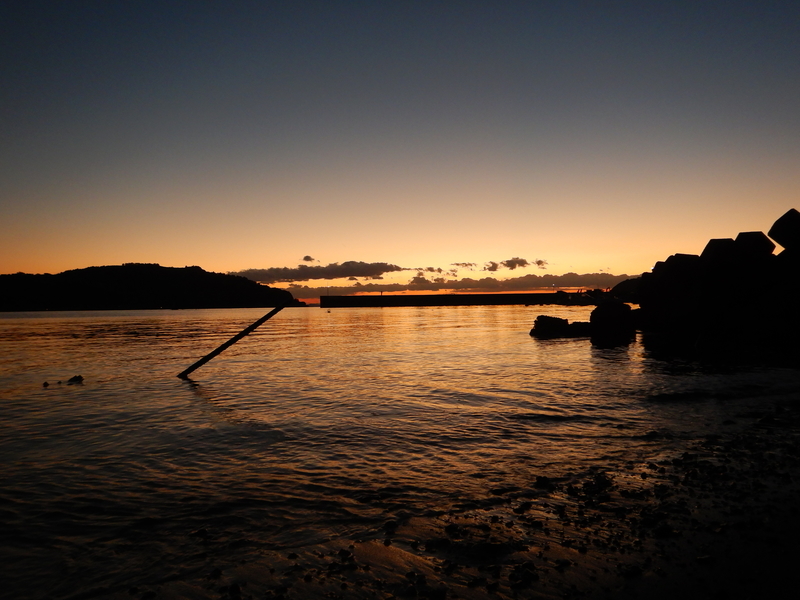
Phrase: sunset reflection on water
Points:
(319, 425)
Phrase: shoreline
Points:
(714, 517)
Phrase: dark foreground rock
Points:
(690, 306)
(135, 286)
(546, 327)
(688, 303)
(611, 324)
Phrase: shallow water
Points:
(320, 425)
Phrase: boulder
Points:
(753, 244)
(788, 265)
(611, 314)
(612, 323)
(547, 327)
(719, 251)
(786, 230)
(676, 267)
(628, 290)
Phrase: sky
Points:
(589, 136)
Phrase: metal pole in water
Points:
(185, 374)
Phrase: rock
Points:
(788, 262)
(612, 324)
(546, 327)
(390, 527)
(628, 290)
(735, 302)
(522, 508)
(753, 244)
(719, 251)
(678, 264)
(611, 314)
(579, 329)
(75, 379)
(786, 230)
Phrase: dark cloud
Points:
(308, 258)
(426, 278)
(350, 268)
(513, 263)
(465, 265)
(467, 284)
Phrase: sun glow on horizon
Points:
(419, 136)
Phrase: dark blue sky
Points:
(248, 134)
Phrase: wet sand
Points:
(717, 519)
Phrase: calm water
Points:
(321, 425)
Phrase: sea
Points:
(319, 426)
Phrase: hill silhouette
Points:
(135, 286)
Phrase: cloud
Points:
(308, 258)
(350, 268)
(430, 279)
(470, 285)
(418, 280)
(513, 263)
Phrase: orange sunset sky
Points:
(243, 135)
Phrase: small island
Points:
(136, 286)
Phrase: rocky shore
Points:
(717, 517)
(736, 301)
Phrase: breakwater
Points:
(560, 297)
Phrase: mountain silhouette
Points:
(135, 286)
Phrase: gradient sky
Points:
(593, 135)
